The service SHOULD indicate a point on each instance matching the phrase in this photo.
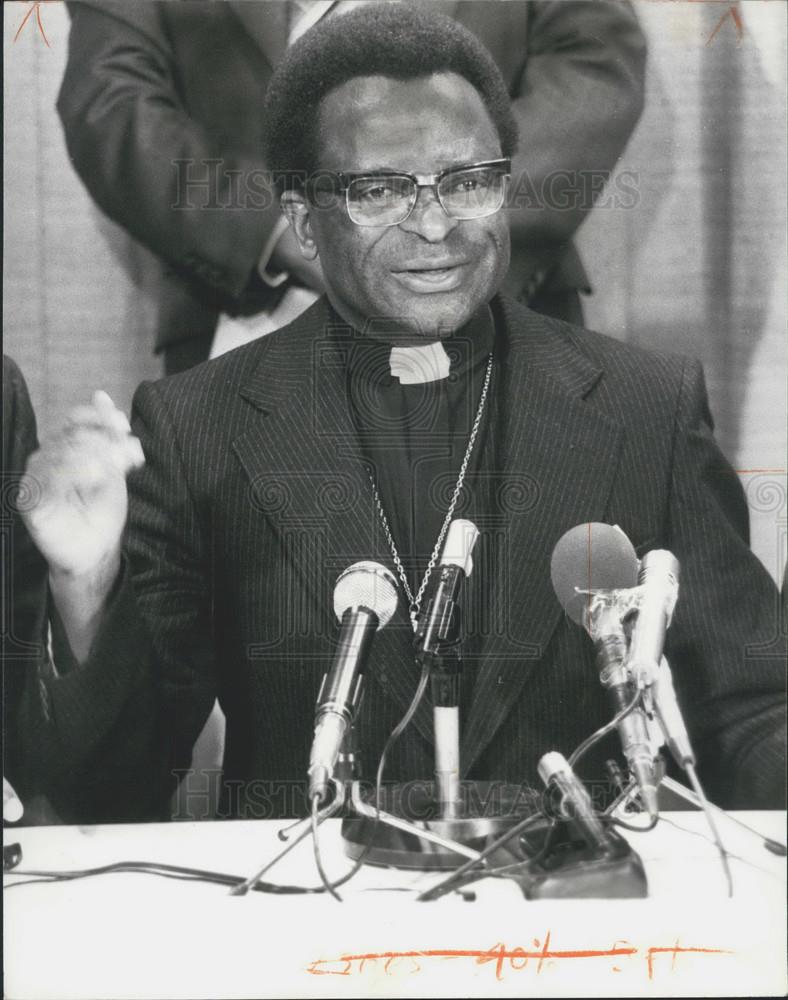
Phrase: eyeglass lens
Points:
(389, 199)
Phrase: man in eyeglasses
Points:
(149, 86)
(412, 394)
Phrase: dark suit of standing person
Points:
(268, 472)
(162, 104)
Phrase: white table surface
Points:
(135, 935)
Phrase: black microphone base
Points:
(562, 865)
(484, 810)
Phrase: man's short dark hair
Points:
(391, 39)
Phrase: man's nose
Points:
(428, 219)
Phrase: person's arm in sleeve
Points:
(118, 720)
(168, 551)
(133, 143)
(88, 693)
(726, 644)
(24, 601)
(579, 99)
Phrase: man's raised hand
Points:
(76, 483)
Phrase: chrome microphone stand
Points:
(438, 824)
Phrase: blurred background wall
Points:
(698, 265)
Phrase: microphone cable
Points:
(316, 850)
(36, 876)
(603, 731)
(395, 734)
(469, 867)
(593, 739)
(184, 874)
(692, 774)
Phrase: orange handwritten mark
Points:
(498, 955)
(677, 950)
(735, 15)
(34, 8)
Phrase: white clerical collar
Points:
(416, 365)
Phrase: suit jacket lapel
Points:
(308, 475)
(559, 456)
(559, 460)
(301, 452)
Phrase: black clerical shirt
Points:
(414, 438)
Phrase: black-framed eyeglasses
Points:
(387, 197)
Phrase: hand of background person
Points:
(287, 257)
(76, 483)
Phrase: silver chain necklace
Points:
(414, 603)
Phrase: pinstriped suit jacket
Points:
(254, 497)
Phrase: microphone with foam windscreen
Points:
(365, 598)
(591, 557)
(600, 557)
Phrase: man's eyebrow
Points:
(379, 169)
(385, 169)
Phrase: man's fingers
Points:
(102, 413)
(103, 401)
(85, 461)
(116, 420)
(134, 452)
(93, 434)
(12, 807)
(83, 464)
(113, 417)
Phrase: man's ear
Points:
(296, 210)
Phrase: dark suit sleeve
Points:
(24, 596)
(578, 101)
(727, 642)
(167, 552)
(127, 128)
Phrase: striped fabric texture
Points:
(255, 497)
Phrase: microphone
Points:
(671, 721)
(365, 598)
(591, 557)
(575, 802)
(438, 644)
(600, 557)
(437, 625)
(658, 581)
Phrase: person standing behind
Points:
(161, 104)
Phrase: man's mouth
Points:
(431, 276)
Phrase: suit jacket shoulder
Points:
(630, 381)
(625, 376)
